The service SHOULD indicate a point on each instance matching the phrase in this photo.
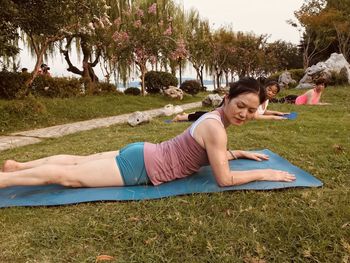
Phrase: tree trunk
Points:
(89, 77)
(39, 59)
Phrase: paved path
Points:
(18, 139)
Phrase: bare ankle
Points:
(10, 166)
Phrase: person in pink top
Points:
(310, 97)
(203, 143)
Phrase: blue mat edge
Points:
(102, 196)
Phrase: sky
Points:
(257, 16)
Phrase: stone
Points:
(213, 100)
(170, 109)
(138, 117)
(335, 63)
(222, 90)
(174, 92)
(285, 79)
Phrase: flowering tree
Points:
(179, 54)
(143, 34)
(198, 39)
(91, 35)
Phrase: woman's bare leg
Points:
(95, 173)
(62, 159)
(181, 117)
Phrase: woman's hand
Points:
(278, 113)
(276, 175)
(252, 156)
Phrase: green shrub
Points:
(339, 79)
(191, 86)
(56, 87)
(29, 106)
(157, 80)
(132, 91)
(104, 87)
(297, 74)
(274, 76)
(11, 83)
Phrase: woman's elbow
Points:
(224, 182)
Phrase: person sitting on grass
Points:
(204, 142)
(271, 89)
(310, 97)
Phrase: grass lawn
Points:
(293, 225)
(13, 117)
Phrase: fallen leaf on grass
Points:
(347, 224)
(338, 148)
(345, 245)
(103, 258)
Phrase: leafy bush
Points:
(191, 86)
(104, 87)
(157, 80)
(29, 106)
(339, 79)
(11, 83)
(56, 87)
(132, 91)
(297, 74)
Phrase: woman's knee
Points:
(67, 176)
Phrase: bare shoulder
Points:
(211, 131)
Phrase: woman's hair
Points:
(246, 85)
(272, 83)
(321, 81)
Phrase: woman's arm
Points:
(272, 112)
(268, 117)
(238, 154)
(309, 96)
(215, 141)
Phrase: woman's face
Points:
(241, 108)
(271, 91)
(320, 87)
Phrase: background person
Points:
(272, 88)
(310, 97)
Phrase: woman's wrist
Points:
(233, 155)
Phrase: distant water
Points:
(136, 84)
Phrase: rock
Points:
(138, 117)
(174, 92)
(213, 100)
(335, 63)
(285, 79)
(170, 109)
(222, 90)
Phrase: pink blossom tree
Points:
(144, 37)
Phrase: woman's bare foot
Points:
(181, 117)
(10, 166)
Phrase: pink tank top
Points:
(177, 157)
(302, 99)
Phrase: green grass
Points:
(292, 225)
(60, 111)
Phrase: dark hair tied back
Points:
(272, 83)
(246, 85)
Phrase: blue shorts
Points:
(131, 164)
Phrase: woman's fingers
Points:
(259, 156)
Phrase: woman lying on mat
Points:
(311, 97)
(146, 163)
(271, 89)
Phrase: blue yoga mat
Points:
(291, 116)
(201, 182)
